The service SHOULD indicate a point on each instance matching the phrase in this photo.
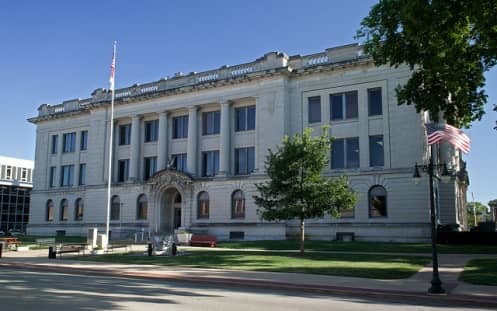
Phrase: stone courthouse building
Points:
(188, 150)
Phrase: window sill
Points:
(150, 142)
(180, 138)
(344, 121)
(376, 117)
(245, 132)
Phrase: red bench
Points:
(203, 240)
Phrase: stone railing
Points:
(269, 61)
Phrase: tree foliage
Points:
(493, 203)
(480, 209)
(448, 43)
(296, 188)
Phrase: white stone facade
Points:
(279, 87)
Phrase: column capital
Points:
(136, 117)
(193, 108)
(226, 102)
(163, 113)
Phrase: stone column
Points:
(191, 158)
(224, 140)
(162, 143)
(134, 161)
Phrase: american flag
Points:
(113, 68)
(437, 132)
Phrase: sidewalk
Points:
(415, 287)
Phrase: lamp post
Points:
(436, 284)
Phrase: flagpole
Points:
(109, 175)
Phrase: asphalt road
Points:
(36, 290)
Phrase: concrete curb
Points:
(471, 300)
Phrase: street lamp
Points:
(439, 171)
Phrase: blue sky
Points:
(52, 51)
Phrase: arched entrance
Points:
(171, 193)
(170, 210)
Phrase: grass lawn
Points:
(365, 266)
(480, 272)
(361, 247)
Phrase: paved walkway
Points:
(451, 265)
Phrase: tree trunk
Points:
(302, 237)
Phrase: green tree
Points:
(448, 44)
(493, 203)
(480, 209)
(296, 188)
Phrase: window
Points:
(52, 182)
(345, 153)
(123, 170)
(180, 127)
(343, 106)
(203, 205)
(237, 204)
(244, 160)
(115, 208)
(79, 206)
(211, 122)
(179, 161)
(24, 174)
(66, 175)
(245, 118)
(8, 172)
(210, 163)
(55, 141)
(314, 106)
(50, 210)
(150, 167)
(377, 202)
(83, 145)
(142, 207)
(82, 174)
(124, 134)
(237, 235)
(69, 142)
(376, 155)
(64, 210)
(375, 102)
(151, 131)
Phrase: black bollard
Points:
(1, 247)
(149, 249)
(174, 249)
(51, 253)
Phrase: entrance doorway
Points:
(177, 211)
(170, 211)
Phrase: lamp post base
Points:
(436, 287)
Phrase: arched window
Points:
(78, 209)
(237, 204)
(50, 210)
(142, 207)
(64, 210)
(203, 205)
(377, 202)
(115, 208)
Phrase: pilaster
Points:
(191, 158)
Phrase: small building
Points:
(188, 149)
(15, 187)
